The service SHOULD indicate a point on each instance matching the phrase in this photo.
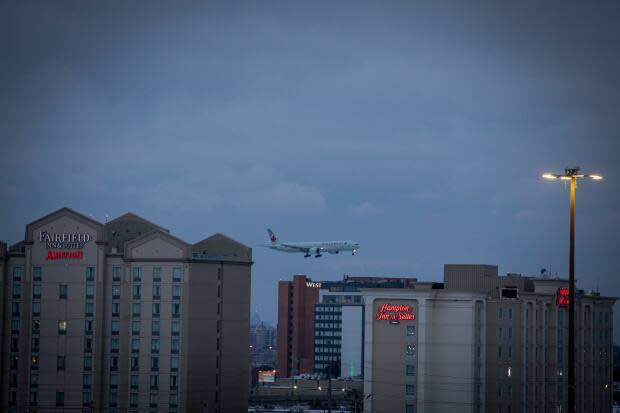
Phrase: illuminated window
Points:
(410, 349)
(34, 362)
(62, 327)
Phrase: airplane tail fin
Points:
(272, 236)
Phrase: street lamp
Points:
(571, 174)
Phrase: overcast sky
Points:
(418, 129)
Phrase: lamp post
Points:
(571, 174)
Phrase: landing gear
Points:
(318, 255)
(354, 251)
(307, 255)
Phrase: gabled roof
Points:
(156, 233)
(62, 212)
(220, 246)
(127, 227)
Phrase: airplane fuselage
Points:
(332, 247)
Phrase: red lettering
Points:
(57, 255)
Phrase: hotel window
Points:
(86, 397)
(113, 380)
(88, 327)
(410, 370)
(17, 290)
(154, 381)
(15, 344)
(156, 274)
(88, 362)
(134, 381)
(410, 408)
(17, 273)
(174, 382)
(173, 399)
(176, 309)
(175, 327)
(116, 273)
(36, 273)
(33, 397)
(174, 363)
(410, 330)
(155, 345)
(133, 399)
(87, 380)
(135, 363)
(60, 399)
(62, 291)
(15, 309)
(36, 309)
(114, 345)
(410, 390)
(156, 309)
(176, 274)
(135, 309)
(174, 345)
(36, 290)
(156, 291)
(113, 398)
(90, 273)
(499, 352)
(116, 291)
(510, 313)
(510, 333)
(154, 399)
(176, 292)
(35, 344)
(116, 309)
(155, 326)
(89, 308)
(410, 349)
(154, 363)
(136, 291)
(113, 363)
(90, 290)
(135, 345)
(60, 363)
(62, 327)
(135, 327)
(34, 362)
(137, 273)
(116, 326)
(34, 379)
(88, 345)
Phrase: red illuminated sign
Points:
(394, 313)
(563, 296)
(59, 255)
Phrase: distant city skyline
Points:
(420, 130)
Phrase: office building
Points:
(123, 317)
(482, 342)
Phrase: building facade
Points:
(123, 316)
(480, 342)
(295, 346)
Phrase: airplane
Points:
(311, 248)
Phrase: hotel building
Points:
(122, 317)
(480, 342)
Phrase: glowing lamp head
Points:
(549, 176)
(596, 177)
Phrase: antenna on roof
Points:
(107, 217)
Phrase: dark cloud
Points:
(418, 129)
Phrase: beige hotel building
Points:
(122, 317)
(480, 342)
